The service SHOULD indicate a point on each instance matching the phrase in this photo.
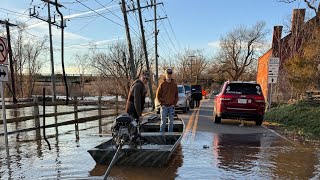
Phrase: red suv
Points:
(239, 99)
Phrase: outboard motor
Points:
(125, 129)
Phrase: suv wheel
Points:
(217, 119)
(259, 121)
(184, 109)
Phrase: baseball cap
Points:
(169, 71)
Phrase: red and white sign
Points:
(3, 51)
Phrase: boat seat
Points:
(124, 118)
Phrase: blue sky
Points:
(196, 24)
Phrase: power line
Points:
(108, 10)
(92, 16)
(100, 14)
(174, 34)
(169, 36)
(86, 25)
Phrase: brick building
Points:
(284, 48)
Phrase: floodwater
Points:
(203, 154)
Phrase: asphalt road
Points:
(239, 150)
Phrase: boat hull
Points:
(156, 150)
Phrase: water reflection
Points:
(299, 163)
(237, 152)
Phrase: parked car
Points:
(240, 100)
(187, 88)
(183, 102)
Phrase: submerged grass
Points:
(302, 117)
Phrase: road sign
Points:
(274, 60)
(4, 73)
(3, 51)
(273, 70)
(272, 79)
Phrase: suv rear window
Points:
(243, 88)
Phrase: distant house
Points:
(285, 48)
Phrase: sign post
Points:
(273, 71)
(4, 78)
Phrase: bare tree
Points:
(302, 69)
(19, 61)
(191, 65)
(81, 64)
(114, 67)
(32, 50)
(314, 5)
(240, 48)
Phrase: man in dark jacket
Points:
(136, 98)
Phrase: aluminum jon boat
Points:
(155, 150)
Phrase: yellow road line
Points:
(194, 129)
(190, 122)
(195, 125)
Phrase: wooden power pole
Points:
(36, 15)
(131, 60)
(145, 52)
(7, 24)
(156, 32)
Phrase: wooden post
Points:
(117, 104)
(36, 112)
(76, 116)
(36, 117)
(55, 111)
(99, 110)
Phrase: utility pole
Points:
(131, 60)
(36, 15)
(62, 26)
(145, 52)
(156, 41)
(191, 67)
(156, 32)
(6, 22)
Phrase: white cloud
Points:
(214, 44)
(88, 12)
(72, 36)
(98, 43)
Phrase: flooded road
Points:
(207, 151)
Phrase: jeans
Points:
(164, 112)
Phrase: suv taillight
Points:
(259, 99)
(225, 97)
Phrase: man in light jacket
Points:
(167, 95)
